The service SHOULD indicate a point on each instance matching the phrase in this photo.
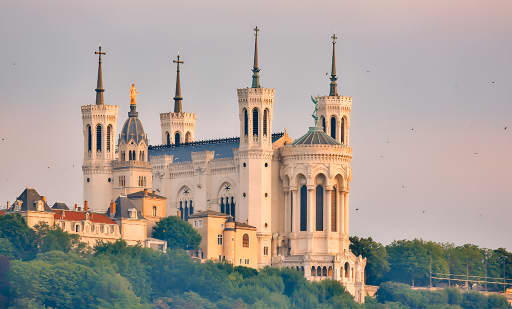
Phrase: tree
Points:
(377, 258)
(179, 234)
(51, 238)
(4, 283)
(15, 229)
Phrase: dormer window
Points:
(132, 213)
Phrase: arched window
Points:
(333, 127)
(141, 156)
(186, 211)
(89, 138)
(255, 116)
(323, 123)
(324, 271)
(334, 210)
(319, 271)
(168, 138)
(329, 271)
(191, 207)
(265, 122)
(98, 137)
(232, 207)
(123, 156)
(246, 123)
(222, 207)
(346, 269)
(342, 135)
(188, 137)
(109, 134)
(245, 241)
(177, 140)
(319, 208)
(181, 210)
(304, 208)
(313, 271)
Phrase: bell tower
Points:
(334, 109)
(99, 129)
(178, 127)
(255, 107)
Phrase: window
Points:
(313, 271)
(181, 210)
(122, 181)
(77, 228)
(334, 210)
(168, 138)
(102, 228)
(342, 135)
(111, 229)
(123, 156)
(255, 128)
(265, 250)
(177, 140)
(319, 208)
(323, 123)
(291, 211)
(98, 137)
(319, 271)
(191, 207)
(219, 239)
(222, 206)
(232, 207)
(154, 211)
(346, 269)
(109, 134)
(265, 122)
(89, 138)
(333, 127)
(324, 271)
(141, 156)
(304, 208)
(246, 123)
(245, 241)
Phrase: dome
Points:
(132, 129)
(315, 136)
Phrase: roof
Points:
(142, 193)
(207, 213)
(244, 225)
(223, 148)
(2, 212)
(123, 204)
(132, 129)
(29, 196)
(70, 215)
(59, 205)
(315, 136)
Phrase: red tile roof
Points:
(80, 216)
(2, 212)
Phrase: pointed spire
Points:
(178, 108)
(99, 86)
(255, 68)
(333, 86)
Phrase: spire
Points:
(255, 68)
(178, 108)
(99, 86)
(333, 86)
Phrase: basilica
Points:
(260, 199)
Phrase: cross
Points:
(99, 52)
(256, 30)
(178, 61)
(334, 38)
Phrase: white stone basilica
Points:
(294, 193)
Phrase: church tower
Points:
(255, 106)
(178, 127)
(334, 109)
(99, 129)
(132, 171)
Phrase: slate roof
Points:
(206, 213)
(140, 194)
(123, 203)
(59, 205)
(315, 136)
(69, 215)
(29, 196)
(132, 128)
(183, 152)
(2, 212)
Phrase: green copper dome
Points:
(315, 136)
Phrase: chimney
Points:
(146, 192)
(112, 209)
(76, 207)
(43, 198)
(86, 206)
(154, 192)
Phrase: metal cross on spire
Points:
(99, 85)
(178, 108)
(255, 68)
(333, 91)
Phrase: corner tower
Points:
(177, 127)
(255, 107)
(99, 128)
(132, 171)
(334, 109)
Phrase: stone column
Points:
(296, 211)
(341, 212)
(346, 214)
(287, 210)
(328, 209)
(311, 209)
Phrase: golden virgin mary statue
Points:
(133, 95)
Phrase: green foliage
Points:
(377, 264)
(53, 238)
(179, 234)
(7, 249)
(14, 228)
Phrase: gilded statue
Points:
(133, 95)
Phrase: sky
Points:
(430, 82)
